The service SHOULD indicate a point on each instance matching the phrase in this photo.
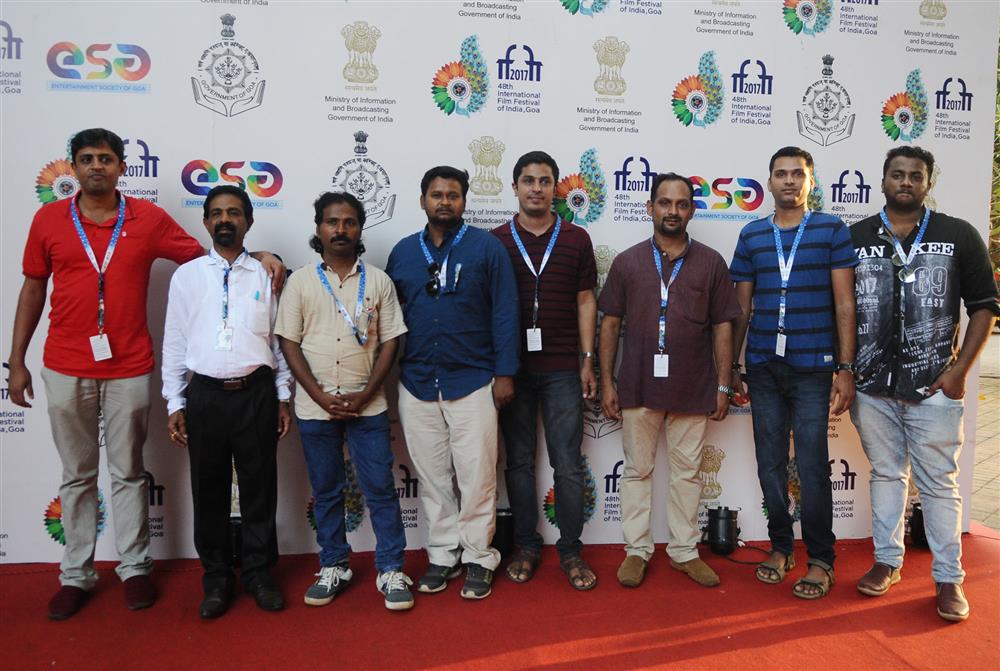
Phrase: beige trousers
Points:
(685, 439)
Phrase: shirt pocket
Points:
(258, 317)
(693, 303)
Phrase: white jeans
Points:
(455, 442)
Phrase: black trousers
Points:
(242, 426)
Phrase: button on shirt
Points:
(468, 333)
(309, 316)
(194, 314)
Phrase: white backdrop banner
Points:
(289, 99)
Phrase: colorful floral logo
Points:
(56, 181)
(794, 493)
(698, 99)
(53, 518)
(461, 87)
(589, 498)
(807, 17)
(904, 114)
(354, 501)
(584, 7)
(816, 200)
(580, 197)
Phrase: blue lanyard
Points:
(102, 269)
(444, 264)
(225, 288)
(664, 293)
(531, 266)
(785, 266)
(353, 323)
(907, 259)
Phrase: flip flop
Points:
(584, 579)
(523, 563)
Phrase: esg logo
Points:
(747, 198)
(131, 64)
(199, 176)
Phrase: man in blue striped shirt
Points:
(794, 275)
(459, 297)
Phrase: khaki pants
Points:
(74, 407)
(449, 442)
(685, 439)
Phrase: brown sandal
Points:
(522, 566)
(580, 575)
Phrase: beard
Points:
(224, 235)
(448, 220)
(671, 232)
(907, 207)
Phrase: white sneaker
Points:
(395, 587)
(332, 581)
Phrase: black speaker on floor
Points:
(722, 530)
(503, 537)
(918, 537)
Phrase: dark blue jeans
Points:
(783, 399)
(368, 442)
(560, 397)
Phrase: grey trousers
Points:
(75, 407)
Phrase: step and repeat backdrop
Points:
(289, 99)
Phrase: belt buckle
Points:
(232, 384)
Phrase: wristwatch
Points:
(727, 390)
(849, 367)
(587, 355)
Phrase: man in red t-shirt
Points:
(98, 247)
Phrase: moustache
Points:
(340, 238)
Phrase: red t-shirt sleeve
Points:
(174, 243)
(37, 261)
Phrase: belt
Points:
(234, 383)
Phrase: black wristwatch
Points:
(846, 366)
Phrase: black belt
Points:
(234, 383)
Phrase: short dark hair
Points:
(445, 172)
(791, 152)
(329, 198)
(95, 137)
(232, 190)
(535, 157)
(670, 177)
(908, 151)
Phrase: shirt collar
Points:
(448, 235)
(354, 268)
(687, 248)
(522, 229)
(242, 260)
(129, 212)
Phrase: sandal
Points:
(524, 563)
(772, 575)
(822, 586)
(580, 575)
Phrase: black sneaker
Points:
(437, 577)
(477, 582)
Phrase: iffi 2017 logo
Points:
(585, 7)
(10, 46)
(531, 72)
(228, 80)
(461, 87)
(580, 197)
(850, 189)
(744, 85)
(807, 17)
(354, 501)
(904, 114)
(698, 99)
(643, 182)
(962, 102)
(589, 497)
(53, 518)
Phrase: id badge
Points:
(779, 345)
(224, 338)
(661, 365)
(534, 339)
(101, 347)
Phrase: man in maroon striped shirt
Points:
(556, 275)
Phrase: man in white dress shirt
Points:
(219, 321)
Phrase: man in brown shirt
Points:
(679, 303)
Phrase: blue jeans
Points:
(561, 398)
(926, 436)
(783, 399)
(368, 442)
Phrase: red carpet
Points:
(669, 621)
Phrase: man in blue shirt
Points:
(794, 275)
(459, 297)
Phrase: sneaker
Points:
(437, 577)
(394, 586)
(477, 582)
(332, 581)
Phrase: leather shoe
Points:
(951, 602)
(66, 602)
(267, 595)
(697, 570)
(878, 580)
(139, 592)
(632, 571)
(215, 603)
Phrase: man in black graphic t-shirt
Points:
(916, 267)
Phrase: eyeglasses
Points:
(433, 285)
